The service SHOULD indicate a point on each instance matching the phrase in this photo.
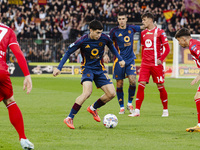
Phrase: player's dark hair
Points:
(95, 25)
(148, 15)
(182, 32)
(121, 13)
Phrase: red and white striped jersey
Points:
(152, 42)
(194, 46)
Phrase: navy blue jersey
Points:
(91, 50)
(123, 40)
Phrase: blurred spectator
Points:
(61, 19)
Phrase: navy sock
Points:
(98, 104)
(76, 107)
(131, 93)
(120, 96)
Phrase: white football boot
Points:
(165, 113)
(26, 144)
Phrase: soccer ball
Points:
(110, 121)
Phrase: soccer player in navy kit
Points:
(92, 49)
(123, 40)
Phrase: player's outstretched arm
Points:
(195, 80)
(56, 72)
(27, 84)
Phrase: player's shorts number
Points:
(3, 32)
(160, 79)
(132, 67)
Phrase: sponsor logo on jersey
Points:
(148, 43)
(119, 35)
(101, 44)
(129, 31)
(193, 47)
(88, 46)
(149, 33)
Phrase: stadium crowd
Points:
(44, 31)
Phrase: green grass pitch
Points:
(51, 99)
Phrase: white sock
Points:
(92, 108)
(121, 107)
(199, 124)
(165, 110)
(137, 111)
(129, 104)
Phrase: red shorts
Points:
(6, 90)
(157, 73)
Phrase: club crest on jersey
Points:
(148, 43)
(101, 44)
(88, 75)
(88, 46)
(129, 31)
(119, 35)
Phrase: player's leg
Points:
(103, 81)
(87, 91)
(164, 100)
(131, 92)
(159, 78)
(197, 101)
(119, 75)
(120, 95)
(131, 73)
(143, 79)
(16, 120)
(15, 115)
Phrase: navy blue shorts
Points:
(121, 73)
(99, 77)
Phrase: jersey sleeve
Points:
(163, 37)
(113, 49)
(12, 38)
(195, 50)
(111, 34)
(14, 46)
(136, 28)
(72, 48)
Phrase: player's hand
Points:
(195, 80)
(56, 72)
(159, 62)
(122, 63)
(106, 59)
(27, 84)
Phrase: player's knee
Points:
(119, 83)
(112, 94)
(133, 83)
(8, 101)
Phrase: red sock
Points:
(198, 108)
(16, 119)
(139, 96)
(163, 96)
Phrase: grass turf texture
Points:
(52, 98)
